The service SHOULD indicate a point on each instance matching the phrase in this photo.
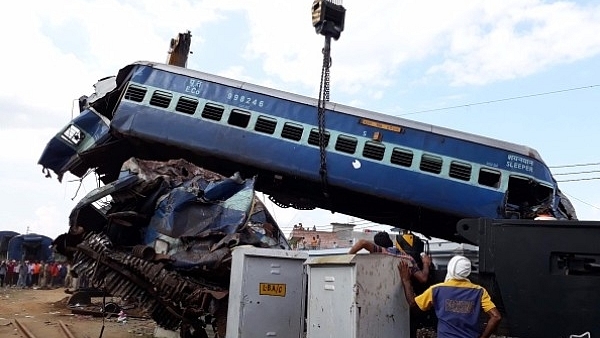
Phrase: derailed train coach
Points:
(161, 228)
(366, 164)
(158, 231)
(30, 247)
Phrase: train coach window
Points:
(346, 144)
(73, 135)
(135, 93)
(374, 150)
(488, 177)
(186, 105)
(524, 191)
(239, 118)
(431, 164)
(292, 131)
(313, 137)
(161, 99)
(461, 171)
(265, 125)
(402, 157)
(212, 112)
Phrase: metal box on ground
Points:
(356, 296)
(266, 293)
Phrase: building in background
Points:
(342, 236)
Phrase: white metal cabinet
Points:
(356, 296)
(267, 293)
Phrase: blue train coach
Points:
(30, 247)
(374, 166)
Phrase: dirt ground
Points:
(42, 311)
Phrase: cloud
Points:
(507, 42)
(44, 219)
(71, 44)
(469, 42)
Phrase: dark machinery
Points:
(543, 275)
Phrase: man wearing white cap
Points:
(457, 301)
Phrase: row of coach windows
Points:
(292, 131)
(371, 150)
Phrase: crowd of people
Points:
(31, 274)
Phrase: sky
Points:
(523, 71)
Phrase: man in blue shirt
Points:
(457, 302)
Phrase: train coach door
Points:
(32, 251)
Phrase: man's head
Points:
(459, 267)
(382, 239)
(409, 243)
(544, 211)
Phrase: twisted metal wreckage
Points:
(161, 233)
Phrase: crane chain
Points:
(323, 99)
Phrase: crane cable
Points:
(323, 99)
(323, 139)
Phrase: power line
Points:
(578, 172)
(580, 179)
(584, 202)
(574, 165)
(500, 100)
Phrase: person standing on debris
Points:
(381, 245)
(457, 302)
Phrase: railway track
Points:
(32, 329)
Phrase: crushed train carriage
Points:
(162, 233)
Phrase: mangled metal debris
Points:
(162, 234)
